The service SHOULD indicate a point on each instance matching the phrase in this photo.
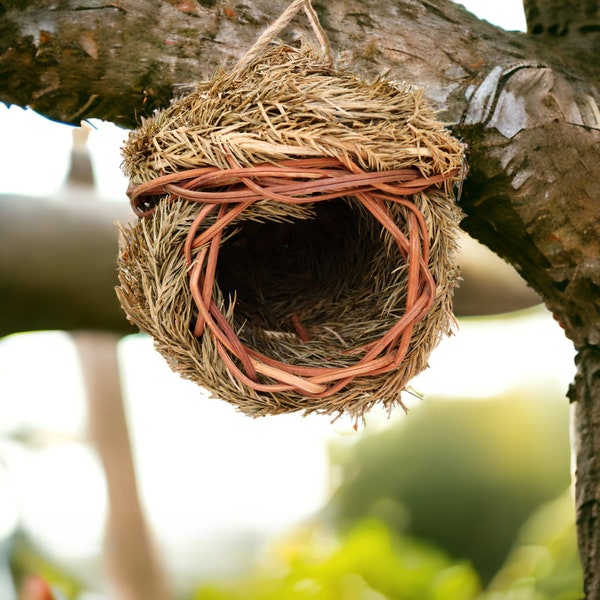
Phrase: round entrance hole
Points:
(306, 270)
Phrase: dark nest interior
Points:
(295, 276)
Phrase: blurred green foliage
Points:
(544, 565)
(368, 564)
(464, 475)
(459, 501)
(473, 480)
(27, 560)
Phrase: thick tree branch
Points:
(57, 265)
(57, 269)
(120, 60)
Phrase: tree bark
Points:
(120, 60)
(526, 105)
(585, 394)
(57, 265)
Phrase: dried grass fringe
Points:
(292, 104)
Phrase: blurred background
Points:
(120, 480)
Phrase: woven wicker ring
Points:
(299, 182)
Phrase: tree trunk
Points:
(585, 394)
(133, 569)
(527, 106)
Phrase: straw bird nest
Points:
(296, 244)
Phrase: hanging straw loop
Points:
(257, 50)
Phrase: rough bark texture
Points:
(585, 393)
(527, 105)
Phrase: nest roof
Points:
(291, 104)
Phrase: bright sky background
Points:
(504, 13)
(172, 425)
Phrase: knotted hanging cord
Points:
(277, 26)
(229, 192)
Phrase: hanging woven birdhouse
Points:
(295, 248)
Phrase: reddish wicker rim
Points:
(231, 191)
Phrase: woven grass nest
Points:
(296, 244)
